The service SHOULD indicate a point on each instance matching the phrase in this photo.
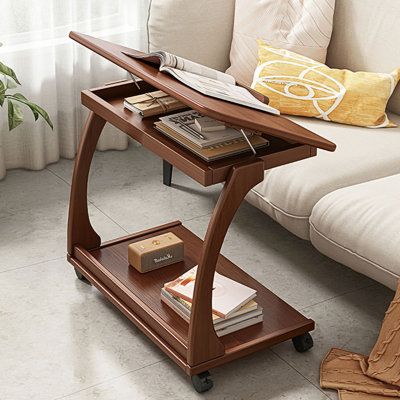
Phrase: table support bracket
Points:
(203, 341)
(80, 230)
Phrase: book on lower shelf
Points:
(233, 304)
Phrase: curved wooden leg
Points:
(80, 230)
(204, 344)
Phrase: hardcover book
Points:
(207, 124)
(240, 325)
(228, 295)
(153, 103)
(184, 308)
(225, 326)
(214, 152)
(184, 123)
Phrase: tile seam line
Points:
(129, 231)
(105, 214)
(292, 367)
(58, 176)
(164, 359)
(32, 265)
(89, 201)
(198, 216)
(339, 295)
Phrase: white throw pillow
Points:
(302, 26)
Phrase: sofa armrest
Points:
(198, 30)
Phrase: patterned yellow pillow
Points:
(297, 85)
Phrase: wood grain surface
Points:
(215, 108)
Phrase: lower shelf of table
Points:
(138, 297)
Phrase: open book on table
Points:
(204, 79)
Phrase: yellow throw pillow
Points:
(297, 85)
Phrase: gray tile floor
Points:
(60, 339)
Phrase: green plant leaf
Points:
(21, 98)
(10, 83)
(9, 72)
(43, 113)
(2, 93)
(36, 110)
(15, 115)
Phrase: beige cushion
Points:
(366, 38)
(199, 30)
(302, 26)
(289, 193)
(359, 226)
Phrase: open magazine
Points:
(204, 79)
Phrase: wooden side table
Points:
(195, 347)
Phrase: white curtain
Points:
(53, 70)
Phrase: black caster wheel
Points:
(81, 277)
(202, 382)
(303, 342)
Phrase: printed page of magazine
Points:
(220, 90)
(176, 62)
(204, 79)
(168, 60)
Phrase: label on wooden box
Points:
(155, 252)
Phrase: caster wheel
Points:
(303, 342)
(81, 277)
(202, 382)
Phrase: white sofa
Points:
(347, 202)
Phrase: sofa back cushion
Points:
(198, 30)
(366, 38)
(301, 26)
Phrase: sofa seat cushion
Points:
(360, 226)
(289, 193)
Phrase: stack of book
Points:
(233, 304)
(210, 143)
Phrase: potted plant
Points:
(9, 81)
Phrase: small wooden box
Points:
(156, 252)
